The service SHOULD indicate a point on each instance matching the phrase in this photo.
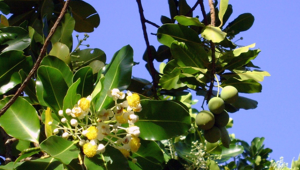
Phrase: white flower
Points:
(74, 122)
(63, 120)
(61, 113)
(65, 135)
(103, 130)
(68, 111)
(84, 132)
(101, 148)
(81, 142)
(133, 130)
(116, 94)
(105, 114)
(93, 142)
(55, 131)
(124, 104)
(133, 118)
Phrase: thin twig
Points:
(212, 47)
(38, 61)
(152, 23)
(203, 12)
(150, 57)
(193, 8)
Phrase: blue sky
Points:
(275, 32)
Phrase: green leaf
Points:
(61, 51)
(64, 32)
(84, 57)
(72, 97)
(162, 119)
(85, 86)
(3, 21)
(246, 86)
(30, 88)
(97, 66)
(61, 66)
(256, 145)
(214, 34)
(95, 162)
(223, 9)
(27, 153)
(230, 152)
(213, 165)
(213, 148)
(165, 20)
(163, 52)
(10, 63)
(242, 59)
(246, 75)
(242, 23)
(167, 33)
(118, 75)
(40, 91)
(171, 80)
(47, 8)
(116, 159)
(4, 8)
(189, 21)
(60, 149)
(190, 54)
(149, 156)
(47, 163)
(245, 103)
(238, 51)
(54, 87)
(16, 119)
(21, 42)
(184, 8)
(85, 15)
(173, 8)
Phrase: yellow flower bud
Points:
(89, 149)
(92, 133)
(124, 152)
(133, 100)
(84, 104)
(134, 144)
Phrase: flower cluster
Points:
(110, 126)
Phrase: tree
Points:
(66, 108)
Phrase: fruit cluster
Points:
(213, 122)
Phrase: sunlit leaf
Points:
(61, 51)
(16, 119)
(168, 118)
(171, 80)
(72, 97)
(95, 162)
(46, 163)
(85, 86)
(246, 86)
(242, 59)
(21, 42)
(214, 34)
(230, 152)
(246, 75)
(189, 21)
(223, 8)
(84, 57)
(60, 148)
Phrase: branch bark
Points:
(38, 61)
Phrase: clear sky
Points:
(275, 32)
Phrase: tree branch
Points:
(38, 61)
(193, 8)
(151, 23)
(203, 12)
(150, 57)
(212, 47)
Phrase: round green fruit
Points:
(221, 119)
(212, 135)
(216, 105)
(229, 94)
(205, 120)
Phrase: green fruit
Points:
(216, 105)
(212, 135)
(225, 137)
(222, 119)
(205, 120)
(229, 94)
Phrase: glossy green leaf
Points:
(11, 166)
(256, 145)
(85, 86)
(64, 32)
(85, 15)
(72, 97)
(4, 8)
(54, 87)
(97, 88)
(149, 156)
(184, 8)
(169, 118)
(222, 10)
(118, 75)
(246, 86)
(61, 51)
(242, 59)
(10, 63)
(171, 80)
(189, 21)
(214, 34)
(30, 88)
(115, 159)
(95, 162)
(97, 66)
(232, 151)
(189, 54)
(61, 149)
(245, 103)
(27, 153)
(25, 119)
(21, 42)
(42, 164)
(213, 148)
(242, 23)
(40, 91)
(61, 66)
(167, 33)
(84, 57)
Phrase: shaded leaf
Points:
(85, 86)
(47, 163)
(60, 148)
(242, 23)
(84, 57)
(189, 21)
(3, 21)
(230, 152)
(116, 159)
(30, 88)
(21, 42)
(72, 97)
(4, 8)
(25, 119)
(47, 8)
(95, 162)
(245, 103)
(242, 59)
(167, 117)
(171, 80)
(184, 8)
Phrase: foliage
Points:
(79, 112)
